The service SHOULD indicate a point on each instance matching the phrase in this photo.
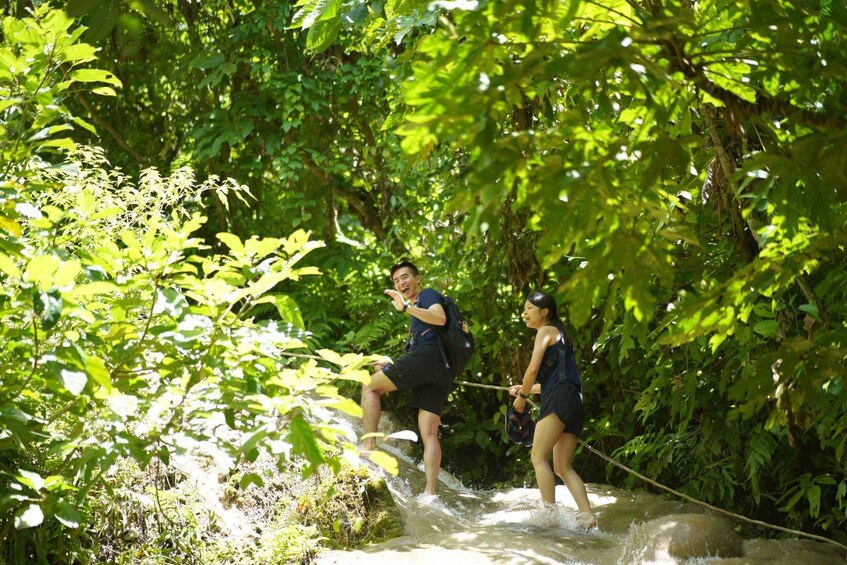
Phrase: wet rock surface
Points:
(789, 552)
(680, 537)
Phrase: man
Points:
(421, 369)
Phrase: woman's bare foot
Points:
(587, 520)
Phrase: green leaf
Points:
(66, 273)
(96, 288)
(79, 53)
(29, 516)
(95, 75)
(322, 34)
(31, 479)
(766, 328)
(84, 124)
(61, 143)
(208, 61)
(44, 133)
(233, 242)
(104, 91)
(330, 356)
(124, 405)
(250, 479)
(813, 494)
(315, 11)
(49, 306)
(347, 406)
(811, 310)
(40, 270)
(154, 12)
(253, 440)
(74, 381)
(304, 442)
(288, 310)
(260, 248)
(385, 461)
(798, 494)
(7, 265)
(169, 301)
(67, 515)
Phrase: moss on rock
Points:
(352, 508)
(259, 512)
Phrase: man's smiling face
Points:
(406, 283)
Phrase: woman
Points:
(552, 371)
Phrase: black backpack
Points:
(454, 338)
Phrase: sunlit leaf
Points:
(288, 310)
(31, 479)
(73, 381)
(407, 435)
(8, 266)
(233, 242)
(95, 75)
(255, 438)
(29, 516)
(67, 515)
(104, 91)
(385, 461)
(41, 269)
(330, 356)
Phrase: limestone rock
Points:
(679, 537)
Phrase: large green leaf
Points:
(29, 516)
(303, 439)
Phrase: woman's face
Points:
(533, 316)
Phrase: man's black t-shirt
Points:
(422, 332)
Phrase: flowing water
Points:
(511, 526)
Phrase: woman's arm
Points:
(543, 338)
(513, 390)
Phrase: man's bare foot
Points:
(367, 442)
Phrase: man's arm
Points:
(434, 315)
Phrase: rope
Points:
(672, 491)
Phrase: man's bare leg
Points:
(372, 406)
(428, 425)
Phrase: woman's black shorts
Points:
(423, 372)
(565, 401)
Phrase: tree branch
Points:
(110, 129)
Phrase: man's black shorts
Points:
(423, 372)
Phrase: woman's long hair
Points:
(544, 300)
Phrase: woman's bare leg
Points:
(563, 464)
(547, 433)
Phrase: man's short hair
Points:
(402, 264)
